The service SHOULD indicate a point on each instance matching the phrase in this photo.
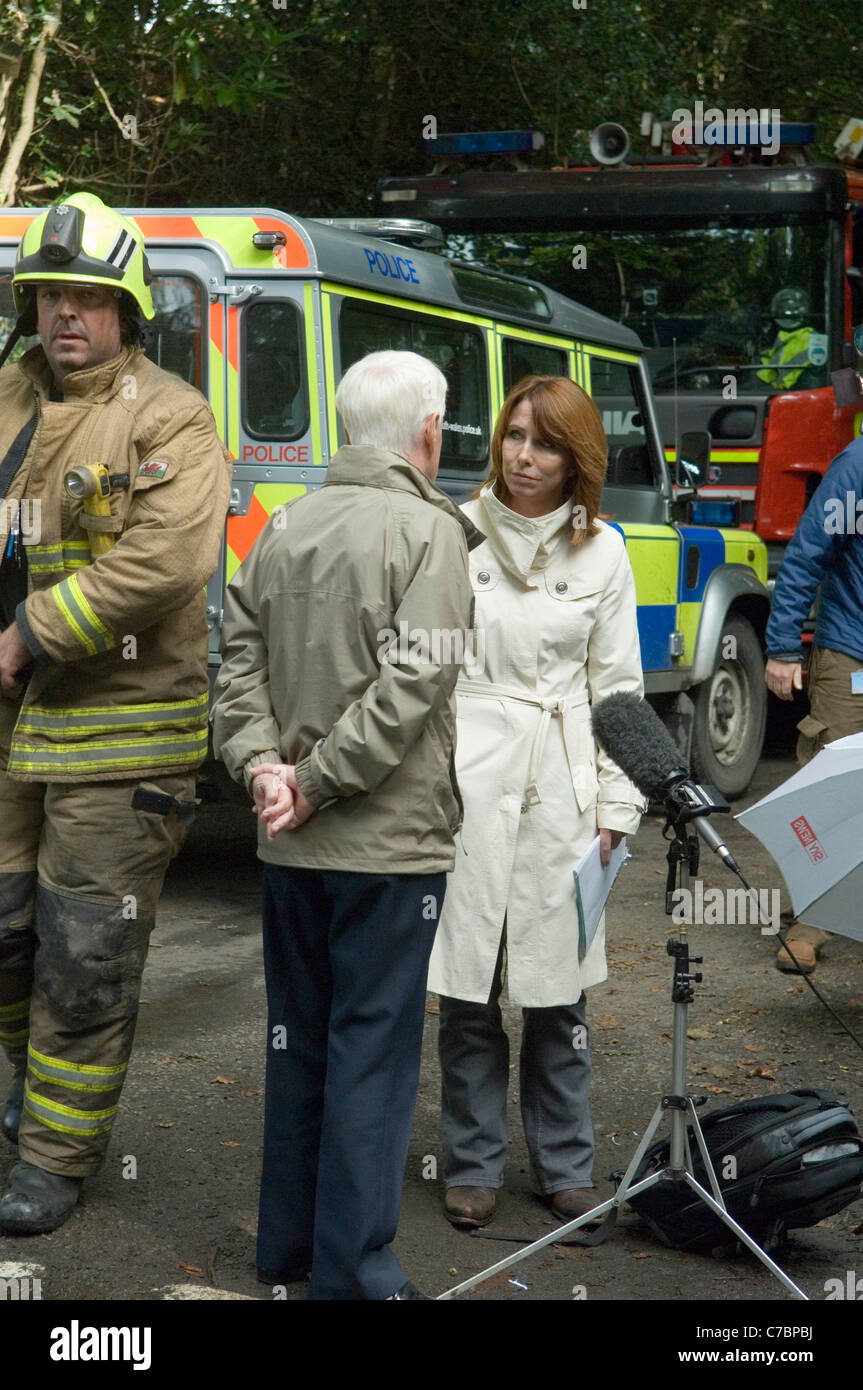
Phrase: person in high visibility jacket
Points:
(788, 357)
(103, 681)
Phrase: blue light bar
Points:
(798, 132)
(485, 142)
(789, 133)
(713, 513)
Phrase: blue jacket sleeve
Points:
(814, 549)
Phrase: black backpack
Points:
(782, 1162)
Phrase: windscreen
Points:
(705, 301)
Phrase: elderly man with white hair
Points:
(344, 737)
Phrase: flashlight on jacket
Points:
(92, 484)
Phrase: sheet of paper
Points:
(593, 884)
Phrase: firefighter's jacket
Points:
(790, 355)
(119, 680)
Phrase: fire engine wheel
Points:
(730, 712)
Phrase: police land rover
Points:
(263, 312)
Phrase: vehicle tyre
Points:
(730, 712)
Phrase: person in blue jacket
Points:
(826, 550)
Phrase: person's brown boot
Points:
(469, 1207)
(805, 942)
(804, 955)
(572, 1202)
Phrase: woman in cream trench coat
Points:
(555, 629)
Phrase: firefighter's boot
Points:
(36, 1202)
(14, 1104)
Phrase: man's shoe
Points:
(14, 1106)
(804, 954)
(572, 1202)
(408, 1291)
(469, 1207)
(36, 1201)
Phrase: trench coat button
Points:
(483, 577)
(523, 808)
(561, 586)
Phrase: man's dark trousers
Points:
(346, 958)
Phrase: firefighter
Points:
(103, 669)
(790, 349)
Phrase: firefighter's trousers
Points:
(80, 876)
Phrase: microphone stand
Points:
(682, 857)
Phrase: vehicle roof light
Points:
(849, 141)
(409, 230)
(485, 142)
(268, 241)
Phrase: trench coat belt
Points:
(563, 706)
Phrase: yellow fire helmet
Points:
(85, 242)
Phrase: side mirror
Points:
(847, 387)
(693, 459)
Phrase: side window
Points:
(456, 349)
(522, 359)
(615, 388)
(274, 388)
(176, 330)
(9, 317)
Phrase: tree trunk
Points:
(20, 27)
(18, 143)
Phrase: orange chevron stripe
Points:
(293, 254)
(15, 226)
(234, 336)
(217, 324)
(179, 226)
(243, 531)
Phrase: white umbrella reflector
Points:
(813, 827)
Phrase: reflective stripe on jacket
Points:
(119, 684)
(789, 353)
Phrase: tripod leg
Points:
(550, 1239)
(706, 1159)
(622, 1192)
(747, 1240)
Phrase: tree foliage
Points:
(304, 104)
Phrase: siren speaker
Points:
(609, 143)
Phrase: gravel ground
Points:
(172, 1214)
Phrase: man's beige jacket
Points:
(314, 671)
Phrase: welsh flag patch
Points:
(154, 469)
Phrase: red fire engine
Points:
(739, 266)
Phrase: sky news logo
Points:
(808, 839)
(735, 126)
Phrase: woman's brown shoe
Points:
(469, 1207)
(572, 1202)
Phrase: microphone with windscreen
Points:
(634, 737)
